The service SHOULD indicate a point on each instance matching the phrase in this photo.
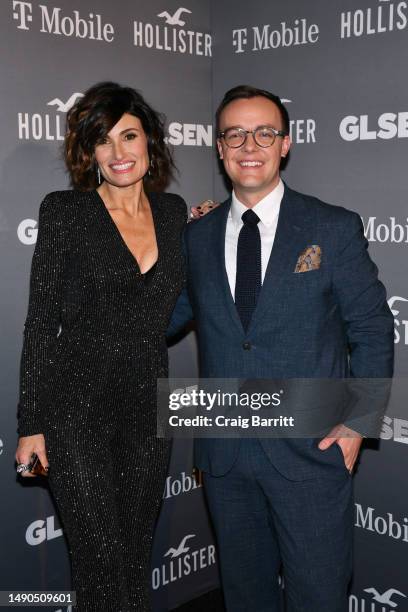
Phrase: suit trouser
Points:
(264, 521)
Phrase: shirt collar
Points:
(267, 209)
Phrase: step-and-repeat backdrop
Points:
(341, 68)
(51, 52)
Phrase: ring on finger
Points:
(22, 467)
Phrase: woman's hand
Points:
(27, 445)
(202, 209)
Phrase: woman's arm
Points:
(43, 318)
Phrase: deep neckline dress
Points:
(94, 346)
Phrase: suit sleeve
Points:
(43, 318)
(369, 327)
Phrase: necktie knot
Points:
(250, 218)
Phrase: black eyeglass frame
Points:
(253, 132)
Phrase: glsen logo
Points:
(40, 531)
(385, 17)
(389, 526)
(53, 21)
(389, 231)
(181, 561)
(400, 326)
(389, 125)
(394, 429)
(190, 134)
(184, 484)
(44, 126)
(171, 38)
(301, 130)
(263, 38)
(27, 231)
(389, 598)
(2, 447)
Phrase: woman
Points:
(106, 273)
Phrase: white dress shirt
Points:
(268, 211)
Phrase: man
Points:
(281, 286)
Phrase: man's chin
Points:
(255, 186)
(249, 183)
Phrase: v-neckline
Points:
(122, 240)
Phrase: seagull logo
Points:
(174, 19)
(392, 300)
(385, 598)
(63, 107)
(182, 548)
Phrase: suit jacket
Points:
(329, 322)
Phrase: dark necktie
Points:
(249, 267)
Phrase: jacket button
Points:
(246, 346)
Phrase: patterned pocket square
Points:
(309, 259)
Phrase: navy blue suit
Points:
(330, 322)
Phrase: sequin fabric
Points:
(94, 345)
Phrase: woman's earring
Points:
(98, 173)
(151, 166)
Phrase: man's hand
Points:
(349, 442)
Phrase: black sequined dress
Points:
(94, 346)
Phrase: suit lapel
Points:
(292, 217)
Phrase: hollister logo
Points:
(182, 560)
(379, 602)
(46, 126)
(386, 16)
(170, 35)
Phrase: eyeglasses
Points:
(264, 136)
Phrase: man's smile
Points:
(250, 163)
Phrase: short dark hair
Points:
(94, 115)
(245, 92)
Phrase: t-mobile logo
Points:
(22, 13)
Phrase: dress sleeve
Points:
(43, 318)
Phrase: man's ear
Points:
(286, 144)
(219, 147)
